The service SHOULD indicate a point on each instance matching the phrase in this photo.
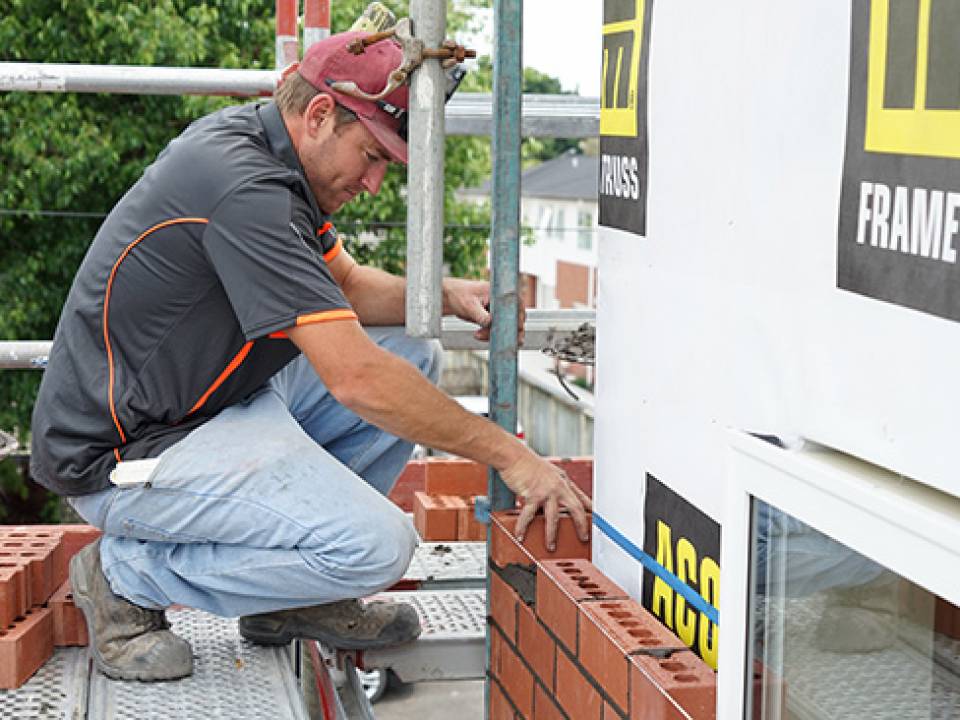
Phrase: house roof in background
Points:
(566, 177)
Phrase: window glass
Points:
(836, 636)
(585, 230)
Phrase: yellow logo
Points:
(622, 42)
(913, 82)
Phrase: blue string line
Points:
(688, 593)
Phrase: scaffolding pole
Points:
(505, 247)
(287, 46)
(505, 228)
(567, 116)
(424, 302)
(316, 22)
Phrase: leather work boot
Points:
(128, 642)
(346, 625)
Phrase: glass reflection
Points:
(835, 636)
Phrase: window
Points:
(585, 230)
(835, 635)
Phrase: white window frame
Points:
(910, 528)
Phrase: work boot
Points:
(128, 642)
(346, 625)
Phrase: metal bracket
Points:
(414, 53)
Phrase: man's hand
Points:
(470, 300)
(542, 484)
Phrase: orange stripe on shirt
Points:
(326, 316)
(106, 315)
(334, 251)
(227, 372)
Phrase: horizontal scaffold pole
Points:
(543, 328)
(569, 116)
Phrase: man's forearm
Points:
(393, 395)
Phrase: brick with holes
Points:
(25, 646)
(561, 586)
(609, 632)
(658, 686)
(69, 625)
(435, 516)
(505, 549)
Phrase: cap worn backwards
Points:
(329, 61)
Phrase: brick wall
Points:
(36, 607)
(569, 644)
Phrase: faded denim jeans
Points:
(276, 502)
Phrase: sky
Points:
(560, 38)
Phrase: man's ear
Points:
(319, 110)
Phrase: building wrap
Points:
(900, 202)
(623, 115)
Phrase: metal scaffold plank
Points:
(58, 691)
(452, 562)
(232, 679)
(451, 646)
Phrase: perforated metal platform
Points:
(232, 680)
(445, 564)
(58, 690)
(451, 646)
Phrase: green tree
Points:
(67, 158)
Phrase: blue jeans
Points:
(277, 502)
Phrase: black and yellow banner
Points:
(899, 231)
(686, 542)
(623, 115)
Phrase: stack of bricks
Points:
(36, 609)
(569, 644)
(443, 492)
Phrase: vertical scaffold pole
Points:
(316, 22)
(287, 50)
(505, 230)
(424, 303)
(504, 244)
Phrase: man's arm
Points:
(392, 394)
(379, 298)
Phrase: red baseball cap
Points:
(329, 61)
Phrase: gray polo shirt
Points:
(179, 306)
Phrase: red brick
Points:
(609, 631)
(73, 538)
(516, 679)
(14, 593)
(39, 562)
(579, 470)
(24, 647)
(447, 476)
(499, 706)
(410, 481)
(69, 625)
(505, 548)
(578, 698)
(544, 708)
(658, 686)
(561, 586)
(469, 529)
(503, 606)
(536, 646)
(611, 713)
(435, 516)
